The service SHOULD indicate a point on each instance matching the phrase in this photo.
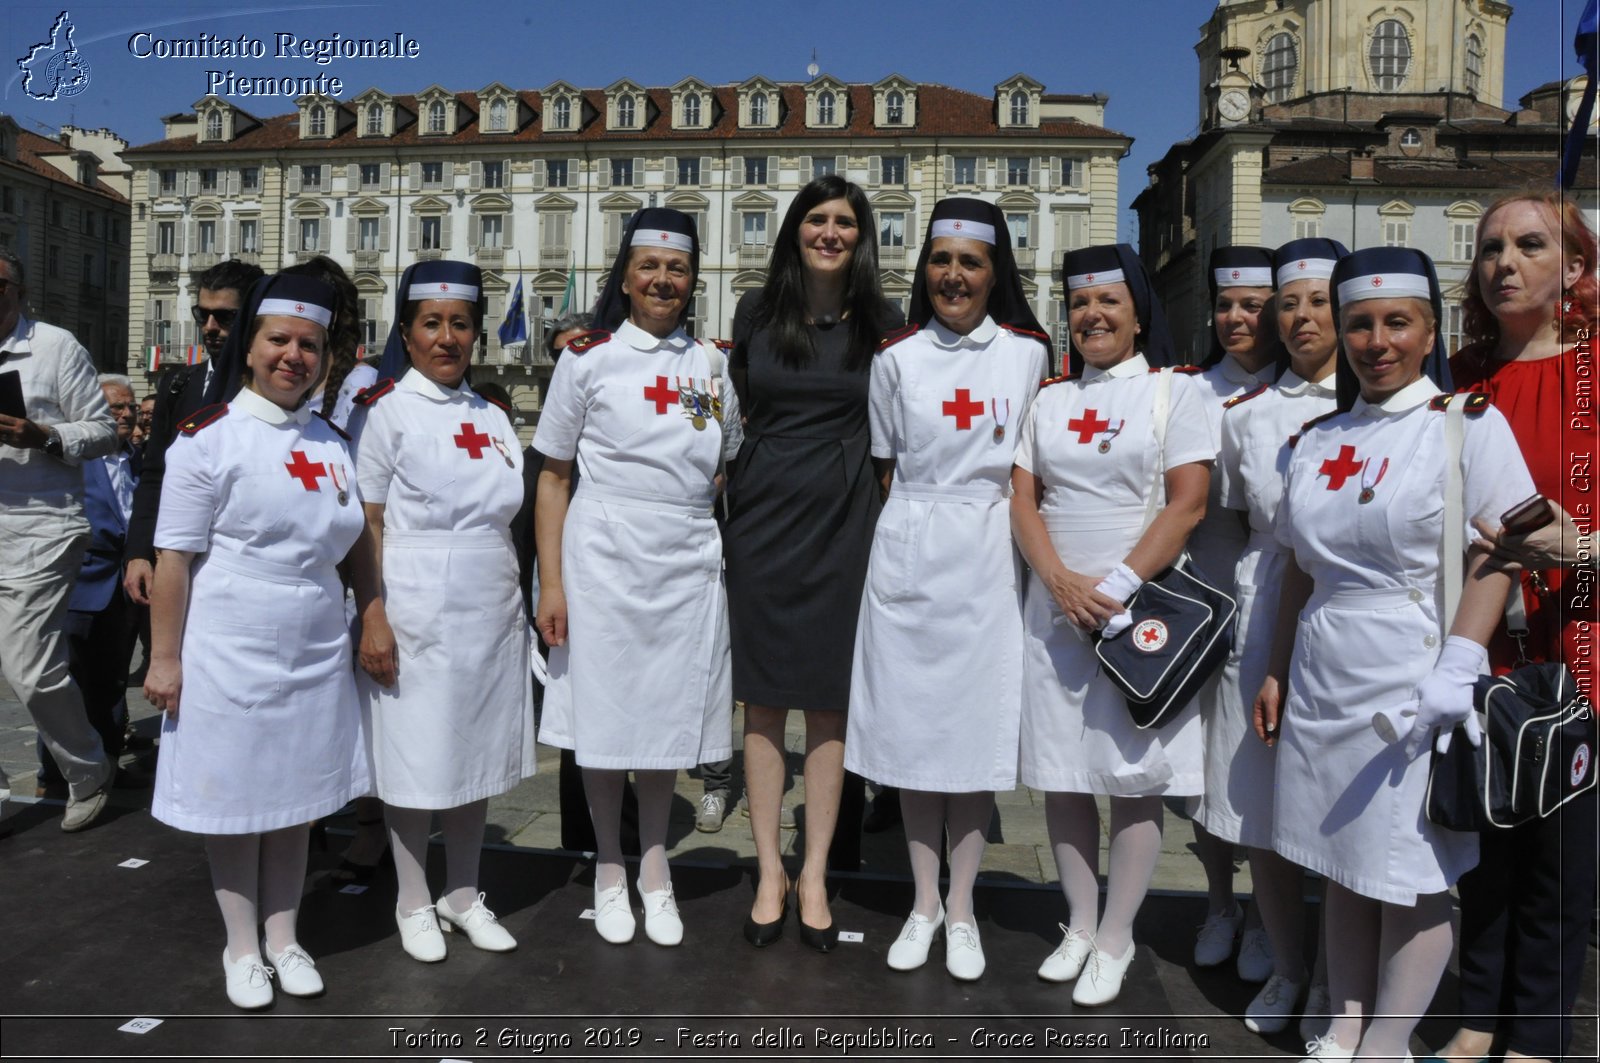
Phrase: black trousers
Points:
(1525, 914)
(100, 646)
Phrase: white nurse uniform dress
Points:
(1351, 806)
(1091, 441)
(268, 733)
(936, 691)
(457, 725)
(645, 679)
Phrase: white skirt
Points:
(457, 726)
(645, 680)
(268, 733)
(936, 689)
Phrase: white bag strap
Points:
(1454, 545)
(1159, 410)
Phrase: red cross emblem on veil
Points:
(957, 225)
(1089, 277)
(1377, 282)
(443, 287)
(1235, 274)
(663, 237)
(299, 308)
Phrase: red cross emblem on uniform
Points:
(305, 470)
(661, 395)
(471, 440)
(963, 408)
(1340, 468)
(1088, 426)
(1377, 282)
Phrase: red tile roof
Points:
(940, 111)
(31, 152)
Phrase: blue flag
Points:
(514, 329)
(1585, 42)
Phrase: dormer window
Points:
(436, 116)
(1019, 108)
(825, 111)
(691, 109)
(625, 112)
(318, 122)
(374, 119)
(563, 117)
(894, 108)
(214, 125)
(497, 116)
(758, 109)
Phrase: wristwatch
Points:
(52, 443)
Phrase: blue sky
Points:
(1139, 52)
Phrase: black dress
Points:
(802, 505)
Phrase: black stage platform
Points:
(90, 944)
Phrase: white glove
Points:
(1443, 699)
(1119, 585)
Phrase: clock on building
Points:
(1233, 105)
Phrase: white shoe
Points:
(1102, 976)
(1066, 962)
(81, 814)
(1318, 1013)
(296, 971)
(1324, 1049)
(419, 934)
(1214, 944)
(249, 981)
(963, 952)
(612, 916)
(662, 924)
(1270, 1010)
(1255, 962)
(479, 924)
(910, 949)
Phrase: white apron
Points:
(1077, 735)
(1351, 806)
(935, 696)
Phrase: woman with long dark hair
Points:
(949, 394)
(801, 505)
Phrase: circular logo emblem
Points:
(957, 225)
(299, 308)
(1302, 263)
(1377, 282)
(1149, 635)
(1089, 277)
(1580, 763)
(663, 237)
(443, 287)
(1235, 274)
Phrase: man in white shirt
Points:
(43, 534)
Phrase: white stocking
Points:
(1074, 824)
(923, 813)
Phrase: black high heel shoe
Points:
(763, 934)
(823, 939)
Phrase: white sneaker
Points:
(1102, 977)
(478, 923)
(249, 981)
(963, 953)
(1318, 1013)
(910, 949)
(1214, 944)
(612, 916)
(662, 924)
(1255, 962)
(1066, 962)
(713, 810)
(1325, 1048)
(1270, 1010)
(295, 969)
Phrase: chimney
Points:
(1361, 166)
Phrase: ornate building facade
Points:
(537, 185)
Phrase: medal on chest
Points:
(504, 453)
(1369, 481)
(341, 481)
(1090, 424)
(699, 405)
(1001, 417)
(1344, 465)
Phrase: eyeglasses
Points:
(223, 315)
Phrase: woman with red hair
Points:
(1529, 314)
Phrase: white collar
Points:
(1291, 383)
(1135, 366)
(978, 337)
(640, 340)
(414, 381)
(265, 410)
(1405, 400)
(17, 341)
(1234, 373)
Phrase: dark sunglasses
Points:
(224, 316)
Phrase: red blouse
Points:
(1551, 405)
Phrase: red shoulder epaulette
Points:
(1310, 424)
(492, 401)
(1246, 397)
(1058, 379)
(723, 345)
(342, 433)
(367, 396)
(584, 342)
(1178, 369)
(897, 335)
(1477, 401)
(202, 417)
(1041, 337)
